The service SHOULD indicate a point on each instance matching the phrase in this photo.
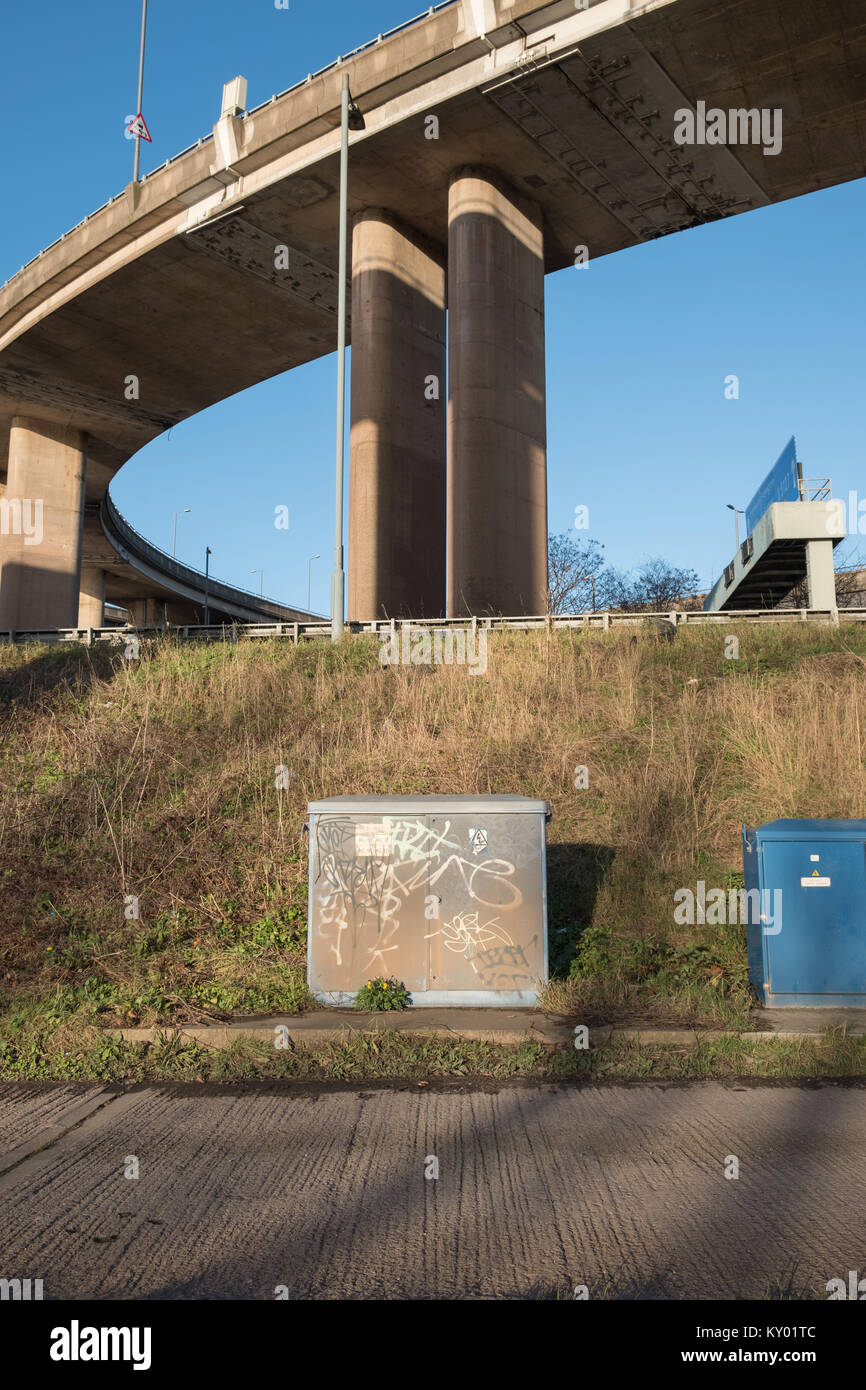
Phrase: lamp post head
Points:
(356, 118)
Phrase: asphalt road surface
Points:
(321, 1192)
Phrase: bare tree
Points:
(579, 581)
(850, 588)
(656, 586)
(615, 590)
(659, 585)
(575, 574)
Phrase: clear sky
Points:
(638, 345)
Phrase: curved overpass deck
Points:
(138, 572)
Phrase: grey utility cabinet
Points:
(446, 894)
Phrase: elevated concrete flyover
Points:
(499, 138)
(122, 568)
(791, 542)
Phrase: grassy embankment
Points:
(157, 779)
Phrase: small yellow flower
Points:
(384, 986)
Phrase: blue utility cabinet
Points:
(807, 929)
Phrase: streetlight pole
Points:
(738, 512)
(350, 118)
(338, 579)
(261, 575)
(207, 555)
(174, 535)
(309, 576)
(137, 156)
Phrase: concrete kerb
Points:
(507, 1027)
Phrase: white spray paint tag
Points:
(372, 841)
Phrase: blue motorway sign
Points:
(782, 484)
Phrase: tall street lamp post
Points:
(309, 576)
(207, 555)
(174, 533)
(351, 119)
(737, 514)
(137, 158)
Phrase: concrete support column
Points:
(821, 575)
(91, 599)
(497, 479)
(181, 615)
(147, 612)
(41, 526)
(398, 437)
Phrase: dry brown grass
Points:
(157, 778)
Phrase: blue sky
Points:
(639, 344)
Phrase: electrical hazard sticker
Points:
(478, 839)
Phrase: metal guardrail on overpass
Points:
(296, 631)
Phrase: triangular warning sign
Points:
(137, 128)
(816, 873)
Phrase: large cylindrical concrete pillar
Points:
(398, 438)
(91, 598)
(42, 526)
(497, 480)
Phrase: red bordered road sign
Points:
(138, 129)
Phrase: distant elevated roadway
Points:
(157, 589)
